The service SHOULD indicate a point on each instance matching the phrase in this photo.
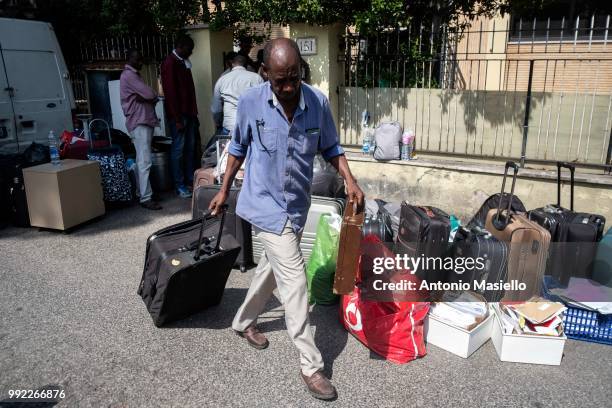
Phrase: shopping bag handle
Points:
(204, 218)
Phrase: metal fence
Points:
(502, 88)
(152, 47)
(109, 53)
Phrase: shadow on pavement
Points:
(121, 217)
(330, 335)
(217, 317)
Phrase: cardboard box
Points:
(455, 339)
(525, 348)
(65, 195)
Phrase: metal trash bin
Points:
(159, 174)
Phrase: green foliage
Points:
(82, 19)
(367, 16)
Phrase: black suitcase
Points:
(234, 225)
(581, 232)
(493, 202)
(13, 202)
(492, 267)
(378, 224)
(326, 181)
(186, 268)
(423, 233)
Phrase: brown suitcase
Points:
(528, 242)
(203, 177)
(348, 249)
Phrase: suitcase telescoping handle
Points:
(108, 133)
(500, 222)
(204, 218)
(571, 168)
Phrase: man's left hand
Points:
(354, 193)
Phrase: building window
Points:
(563, 20)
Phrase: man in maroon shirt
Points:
(181, 113)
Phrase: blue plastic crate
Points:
(586, 325)
(581, 324)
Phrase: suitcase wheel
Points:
(243, 268)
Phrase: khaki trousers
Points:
(282, 266)
(142, 137)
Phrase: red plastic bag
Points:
(78, 148)
(393, 329)
(371, 284)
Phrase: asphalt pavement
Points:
(70, 317)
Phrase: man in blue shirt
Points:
(280, 126)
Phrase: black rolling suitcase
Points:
(13, 202)
(379, 224)
(423, 232)
(580, 232)
(498, 200)
(492, 267)
(234, 225)
(186, 268)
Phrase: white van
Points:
(35, 91)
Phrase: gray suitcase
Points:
(318, 207)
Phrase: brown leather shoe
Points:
(319, 386)
(151, 205)
(254, 337)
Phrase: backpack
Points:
(387, 137)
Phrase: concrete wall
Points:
(490, 123)
(207, 61)
(462, 192)
(324, 66)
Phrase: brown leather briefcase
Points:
(348, 249)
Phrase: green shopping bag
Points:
(322, 263)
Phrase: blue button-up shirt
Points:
(280, 155)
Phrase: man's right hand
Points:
(217, 202)
(179, 125)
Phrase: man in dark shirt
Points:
(181, 113)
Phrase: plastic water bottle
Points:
(53, 148)
(371, 132)
(407, 141)
(367, 141)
